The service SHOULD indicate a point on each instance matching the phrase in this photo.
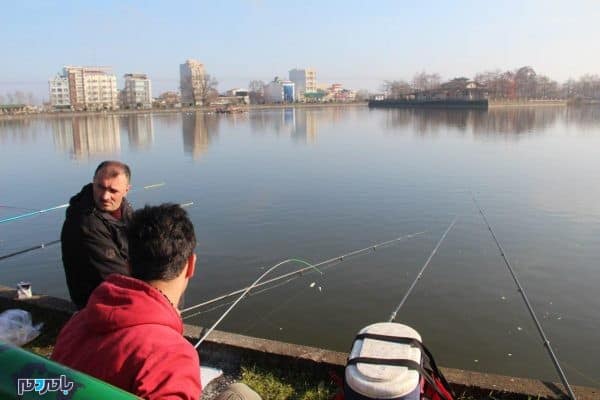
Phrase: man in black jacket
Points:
(93, 237)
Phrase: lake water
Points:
(319, 182)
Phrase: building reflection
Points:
(82, 137)
(199, 130)
(305, 128)
(301, 124)
(140, 131)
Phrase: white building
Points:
(279, 91)
(137, 92)
(59, 92)
(191, 78)
(305, 81)
(92, 88)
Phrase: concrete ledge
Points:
(226, 350)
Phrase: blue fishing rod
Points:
(45, 210)
(53, 242)
(545, 340)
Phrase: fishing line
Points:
(545, 340)
(338, 259)
(45, 210)
(248, 295)
(44, 245)
(250, 288)
(420, 274)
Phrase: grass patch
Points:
(281, 385)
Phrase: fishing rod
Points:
(27, 250)
(254, 284)
(16, 208)
(420, 274)
(340, 258)
(44, 245)
(45, 210)
(545, 340)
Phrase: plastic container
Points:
(379, 381)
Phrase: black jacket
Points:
(94, 245)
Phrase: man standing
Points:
(93, 237)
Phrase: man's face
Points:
(109, 192)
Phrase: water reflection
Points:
(82, 137)
(300, 124)
(140, 131)
(199, 130)
(508, 122)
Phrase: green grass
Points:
(281, 385)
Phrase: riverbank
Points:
(284, 367)
(70, 114)
(529, 103)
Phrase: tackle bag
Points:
(388, 361)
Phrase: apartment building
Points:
(191, 79)
(59, 92)
(91, 88)
(137, 92)
(305, 81)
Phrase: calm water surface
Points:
(316, 183)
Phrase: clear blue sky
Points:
(357, 43)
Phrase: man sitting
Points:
(93, 236)
(130, 334)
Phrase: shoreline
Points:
(251, 107)
(228, 350)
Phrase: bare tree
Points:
(206, 89)
(397, 89)
(362, 95)
(425, 81)
(256, 92)
(31, 100)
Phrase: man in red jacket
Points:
(130, 334)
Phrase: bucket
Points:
(373, 379)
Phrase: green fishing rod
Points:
(294, 274)
(545, 340)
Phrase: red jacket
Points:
(131, 336)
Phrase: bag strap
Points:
(398, 362)
(429, 361)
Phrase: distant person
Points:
(93, 238)
(130, 334)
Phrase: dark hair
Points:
(161, 238)
(113, 168)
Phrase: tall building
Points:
(191, 78)
(137, 92)
(59, 92)
(91, 88)
(305, 81)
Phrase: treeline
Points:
(18, 97)
(519, 84)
